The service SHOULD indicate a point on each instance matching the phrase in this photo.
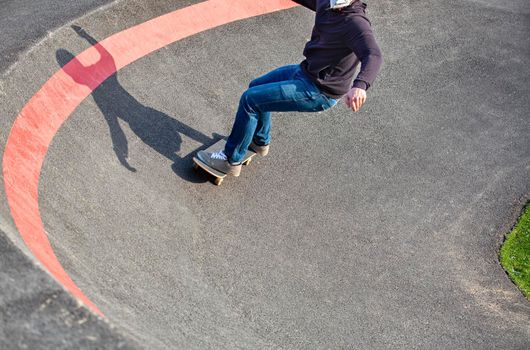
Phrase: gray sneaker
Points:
(261, 150)
(219, 161)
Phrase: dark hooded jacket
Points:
(339, 42)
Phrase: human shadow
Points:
(156, 129)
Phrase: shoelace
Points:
(219, 155)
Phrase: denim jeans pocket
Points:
(331, 101)
(313, 92)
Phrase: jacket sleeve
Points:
(362, 41)
(310, 4)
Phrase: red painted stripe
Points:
(41, 118)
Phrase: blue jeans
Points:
(285, 89)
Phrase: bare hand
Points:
(355, 98)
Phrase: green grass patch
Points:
(515, 253)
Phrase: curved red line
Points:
(43, 115)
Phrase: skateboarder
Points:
(342, 37)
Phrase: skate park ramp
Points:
(378, 229)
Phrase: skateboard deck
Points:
(219, 176)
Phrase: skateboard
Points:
(219, 176)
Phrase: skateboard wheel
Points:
(218, 181)
(195, 166)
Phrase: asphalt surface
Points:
(371, 230)
(37, 313)
(23, 23)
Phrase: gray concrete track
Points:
(371, 230)
(37, 313)
(24, 22)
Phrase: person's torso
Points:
(329, 61)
